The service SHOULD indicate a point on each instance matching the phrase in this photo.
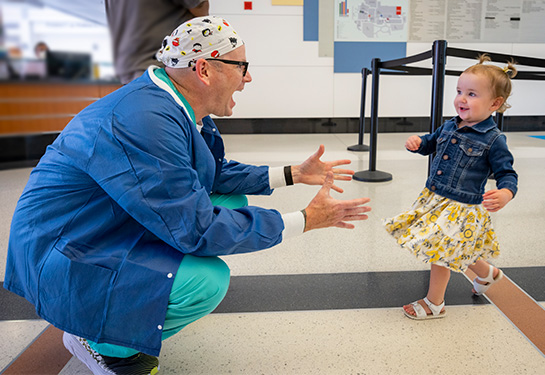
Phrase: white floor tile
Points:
(471, 340)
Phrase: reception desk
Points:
(46, 106)
(33, 113)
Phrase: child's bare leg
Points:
(439, 278)
(481, 268)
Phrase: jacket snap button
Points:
(169, 275)
(453, 140)
(469, 149)
(433, 188)
(445, 157)
(439, 172)
(213, 129)
(159, 327)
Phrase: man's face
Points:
(228, 78)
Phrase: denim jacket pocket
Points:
(469, 158)
(441, 143)
(472, 150)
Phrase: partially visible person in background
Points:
(40, 50)
(14, 55)
(137, 25)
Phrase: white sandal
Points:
(489, 280)
(421, 314)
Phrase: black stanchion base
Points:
(372, 176)
(358, 148)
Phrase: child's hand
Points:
(495, 200)
(413, 143)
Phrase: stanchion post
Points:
(499, 120)
(372, 175)
(375, 65)
(360, 146)
(439, 62)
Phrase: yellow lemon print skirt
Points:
(445, 232)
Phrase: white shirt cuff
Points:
(294, 224)
(276, 177)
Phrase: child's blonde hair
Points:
(500, 79)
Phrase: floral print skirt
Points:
(445, 232)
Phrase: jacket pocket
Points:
(441, 144)
(472, 150)
(73, 295)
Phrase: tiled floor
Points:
(276, 332)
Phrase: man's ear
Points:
(202, 69)
(497, 103)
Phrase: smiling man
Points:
(117, 234)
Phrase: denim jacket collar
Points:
(481, 127)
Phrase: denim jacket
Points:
(465, 158)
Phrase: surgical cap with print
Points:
(199, 38)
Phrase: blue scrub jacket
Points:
(112, 207)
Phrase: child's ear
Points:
(497, 103)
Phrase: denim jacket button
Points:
(453, 140)
(445, 157)
(439, 173)
(469, 149)
(433, 188)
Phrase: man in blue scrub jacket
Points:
(117, 234)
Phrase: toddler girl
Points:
(449, 226)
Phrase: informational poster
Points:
(474, 21)
(371, 20)
(502, 20)
(532, 28)
(464, 21)
(427, 20)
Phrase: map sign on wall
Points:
(371, 20)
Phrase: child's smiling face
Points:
(474, 101)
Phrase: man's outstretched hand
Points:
(313, 171)
(324, 211)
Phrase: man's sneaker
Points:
(138, 364)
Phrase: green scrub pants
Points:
(199, 286)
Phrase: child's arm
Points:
(501, 163)
(425, 144)
(413, 143)
(494, 200)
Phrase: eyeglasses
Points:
(242, 64)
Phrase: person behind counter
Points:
(40, 50)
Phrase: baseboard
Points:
(23, 150)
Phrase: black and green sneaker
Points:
(138, 364)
